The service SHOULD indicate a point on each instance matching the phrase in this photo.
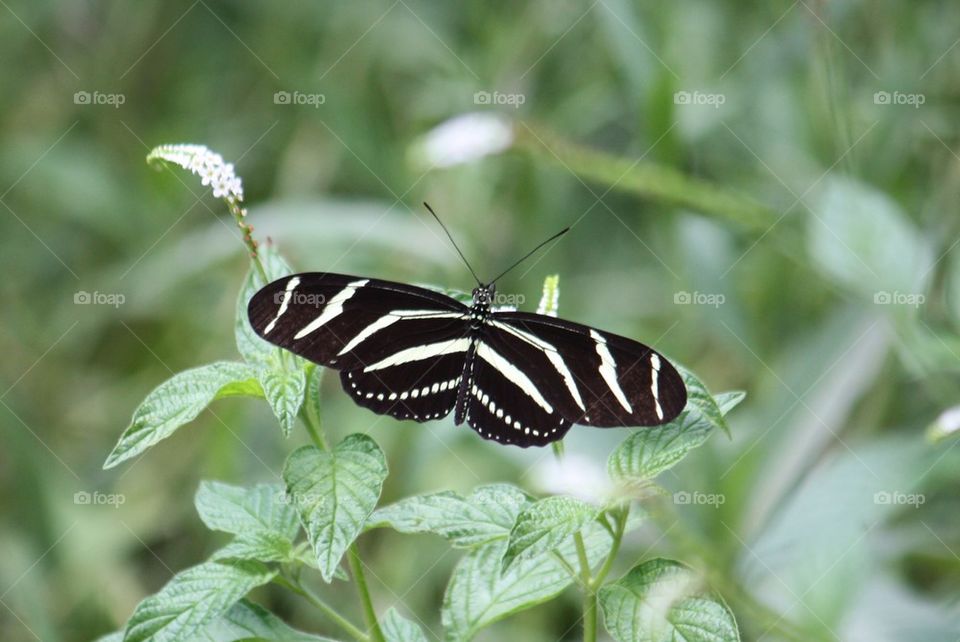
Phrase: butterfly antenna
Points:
(444, 227)
(528, 254)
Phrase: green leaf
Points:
(248, 621)
(488, 513)
(244, 621)
(311, 402)
(192, 599)
(861, 238)
(283, 381)
(238, 510)
(647, 453)
(254, 349)
(727, 401)
(663, 600)
(481, 592)
(281, 375)
(263, 546)
(397, 628)
(335, 492)
(178, 401)
(545, 524)
(699, 398)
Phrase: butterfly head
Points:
(483, 295)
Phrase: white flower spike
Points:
(206, 164)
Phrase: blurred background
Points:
(766, 191)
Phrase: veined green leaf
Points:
(238, 510)
(488, 513)
(664, 600)
(252, 347)
(193, 599)
(283, 381)
(699, 398)
(281, 375)
(335, 492)
(546, 524)
(481, 592)
(397, 628)
(244, 621)
(178, 401)
(647, 453)
(263, 546)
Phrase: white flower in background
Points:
(947, 424)
(206, 164)
(465, 138)
(573, 475)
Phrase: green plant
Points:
(519, 551)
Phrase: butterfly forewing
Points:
(595, 378)
(347, 322)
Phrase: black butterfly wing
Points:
(591, 377)
(400, 349)
(420, 390)
(348, 322)
(504, 403)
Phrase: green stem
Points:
(645, 179)
(621, 519)
(356, 568)
(328, 610)
(590, 615)
(589, 591)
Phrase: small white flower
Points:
(466, 138)
(946, 424)
(206, 164)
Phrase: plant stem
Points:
(645, 179)
(356, 568)
(590, 615)
(589, 592)
(621, 523)
(328, 610)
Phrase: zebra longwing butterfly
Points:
(514, 377)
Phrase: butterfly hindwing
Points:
(504, 403)
(595, 378)
(418, 390)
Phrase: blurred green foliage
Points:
(838, 312)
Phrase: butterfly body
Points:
(514, 377)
